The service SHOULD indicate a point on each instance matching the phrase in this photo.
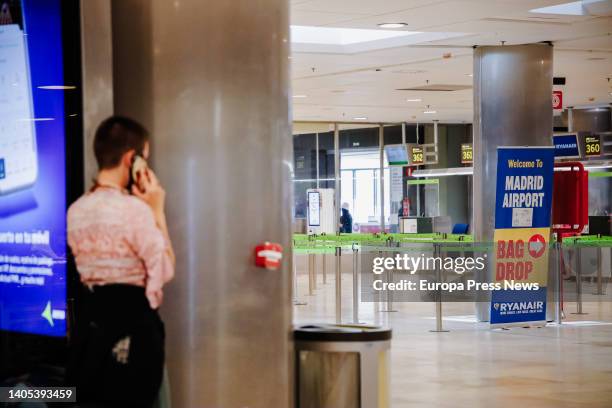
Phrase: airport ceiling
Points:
(343, 81)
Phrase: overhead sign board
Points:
(467, 153)
(417, 155)
(397, 155)
(522, 233)
(592, 146)
(566, 146)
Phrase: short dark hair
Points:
(114, 137)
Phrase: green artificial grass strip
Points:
(388, 241)
(589, 241)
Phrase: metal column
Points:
(512, 107)
(435, 135)
(219, 116)
(337, 176)
(381, 144)
(338, 284)
(97, 56)
(317, 157)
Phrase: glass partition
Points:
(314, 167)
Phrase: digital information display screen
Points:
(467, 153)
(397, 155)
(592, 146)
(314, 208)
(32, 169)
(417, 155)
(566, 146)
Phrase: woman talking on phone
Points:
(119, 238)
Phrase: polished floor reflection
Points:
(472, 366)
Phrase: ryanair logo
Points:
(518, 307)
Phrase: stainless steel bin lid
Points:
(341, 332)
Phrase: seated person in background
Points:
(346, 219)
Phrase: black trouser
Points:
(118, 355)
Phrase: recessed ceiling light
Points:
(300, 96)
(341, 36)
(470, 75)
(429, 112)
(409, 71)
(414, 100)
(574, 8)
(392, 25)
(360, 118)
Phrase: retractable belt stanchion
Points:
(324, 268)
(310, 276)
(390, 278)
(439, 328)
(378, 293)
(599, 272)
(338, 284)
(578, 280)
(296, 301)
(314, 270)
(558, 285)
(355, 284)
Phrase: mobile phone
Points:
(139, 165)
(18, 154)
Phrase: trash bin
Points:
(342, 366)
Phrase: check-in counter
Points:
(425, 225)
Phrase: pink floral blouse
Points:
(114, 239)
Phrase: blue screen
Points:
(566, 146)
(33, 183)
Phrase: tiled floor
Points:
(474, 366)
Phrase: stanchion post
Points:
(377, 302)
(578, 280)
(355, 285)
(439, 328)
(310, 276)
(390, 278)
(338, 285)
(558, 286)
(314, 270)
(324, 268)
(296, 301)
(599, 272)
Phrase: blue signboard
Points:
(566, 146)
(514, 306)
(524, 187)
(32, 169)
(522, 234)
